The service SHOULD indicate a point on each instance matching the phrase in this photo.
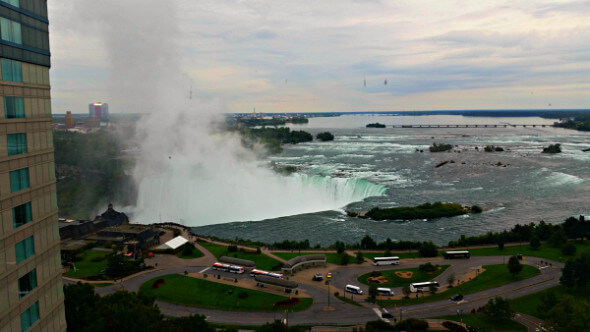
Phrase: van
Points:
(385, 291)
(353, 289)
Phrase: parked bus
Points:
(456, 254)
(256, 272)
(386, 261)
(385, 291)
(354, 289)
(228, 268)
(423, 286)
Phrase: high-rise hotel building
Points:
(31, 295)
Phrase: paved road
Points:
(344, 313)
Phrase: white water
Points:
(198, 201)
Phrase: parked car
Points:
(386, 315)
(318, 277)
(329, 275)
(457, 297)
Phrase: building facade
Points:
(31, 294)
(99, 111)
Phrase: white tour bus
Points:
(386, 260)
(256, 272)
(423, 286)
(236, 269)
(456, 254)
(385, 291)
(228, 268)
(353, 289)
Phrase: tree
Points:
(498, 308)
(118, 266)
(359, 257)
(373, 293)
(569, 314)
(558, 238)
(501, 245)
(406, 291)
(325, 136)
(576, 272)
(276, 326)
(81, 304)
(188, 249)
(569, 249)
(344, 258)
(548, 301)
(514, 266)
(451, 279)
(432, 288)
(428, 249)
(368, 243)
(535, 243)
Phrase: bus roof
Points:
(424, 283)
(353, 286)
(386, 258)
(384, 289)
(457, 252)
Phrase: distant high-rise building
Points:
(31, 295)
(99, 111)
(69, 120)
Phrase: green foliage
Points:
(428, 249)
(411, 324)
(569, 249)
(325, 136)
(498, 308)
(424, 211)
(579, 122)
(298, 120)
(433, 289)
(552, 148)
(375, 125)
(344, 259)
(242, 295)
(514, 266)
(428, 267)
(476, 209)
(232, 248)
(368, 243)
(440, 147)
(535, 243)
(569, 314)
(188, 249)
(406, 291)
(378, 326)
(359, 257)
(373, 293)
(558, 238)
(119, 266)
(576, 272)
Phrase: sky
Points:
(315, 56)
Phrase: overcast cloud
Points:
(306, 56)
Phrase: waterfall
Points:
(202, 201)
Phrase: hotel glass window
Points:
(19, 179)
(10, 31)
(12, 70)
(25, 249)
(22, 214)
(29, 317)
(17, 143)
(15, 3)
(27, 283)
(14, 107)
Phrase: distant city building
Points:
(99, 111)
(69, 120)
(31, 295)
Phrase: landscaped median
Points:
(494, 276)
(185, 290)
(331, 257)
(262, 261)
(401, 277)
(544, 251)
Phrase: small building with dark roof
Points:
(277, 282)
(301, 262)
(237, 261)
(139, 236)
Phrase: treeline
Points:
(271, 137)
(572, 228)
(90, 172)
(424, 211)
(580, 121)
(440, 147)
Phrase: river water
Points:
(519, 185)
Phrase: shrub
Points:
(378, 325)
(476, 209)
(428, 249)
(344, 258)
(569, 249)
(535, 243)
(411, 324)
(79, 256)
(375, 274)
(427, 267)
(232, 248)
(188, 249)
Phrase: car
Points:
(329, 275)
(318, 277)
(386, 315)
(457, 297)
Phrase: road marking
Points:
(378, 312)
(205, 269)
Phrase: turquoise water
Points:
(520, 185)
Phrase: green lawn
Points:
(483, 323)
(208, 294)
(528, 304)
(545, 251)
(394, 281)
(196, 254)
(262, 261)
(86, 267)
(494, 276)
(331, 257)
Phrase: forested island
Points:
(375, 125)
(440, 147)
(425, 211)
(552, 148)
(325, 136)
(580, 121)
